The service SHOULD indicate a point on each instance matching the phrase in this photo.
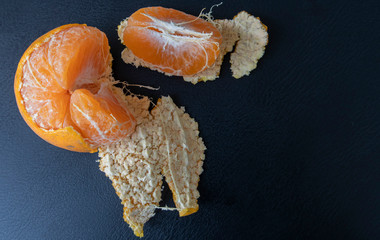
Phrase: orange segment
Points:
(47, 109)
(99, 119)
(65, 59)
(172, 41)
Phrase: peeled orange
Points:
(63, 88)
(172, 41)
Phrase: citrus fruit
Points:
(245, 34)
(172, 41)
(63, 89)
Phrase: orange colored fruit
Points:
(172, 41)
(63, 90)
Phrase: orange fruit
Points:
(63, 89)
(172, 41)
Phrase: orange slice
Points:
(63, 89)
(172, 41)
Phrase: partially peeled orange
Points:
(63, 87)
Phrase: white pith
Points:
(170, 161)
(166, 140)
(169, 30)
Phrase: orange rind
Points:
(164, 138)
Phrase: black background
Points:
(293, 149)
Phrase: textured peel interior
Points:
(134, 169)
(182, 153)
(251, 45)
(166, 141)
(230, 36)
(247, 32)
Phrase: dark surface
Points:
(293, 149)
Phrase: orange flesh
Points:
(61, 88)
(106, 124)
(172, 41)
